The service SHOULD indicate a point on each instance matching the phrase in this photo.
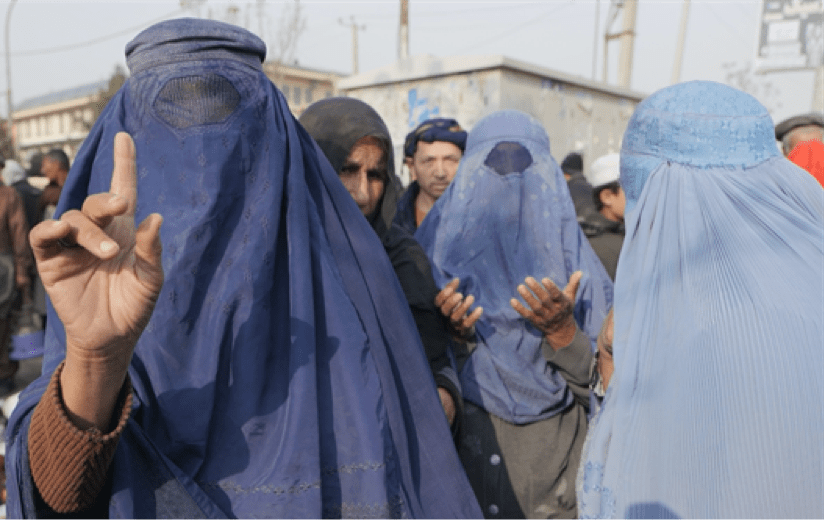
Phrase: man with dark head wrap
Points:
(434, 150)
(356, 141)
(260, 359)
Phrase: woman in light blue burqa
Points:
(507, 216)
(715, 406)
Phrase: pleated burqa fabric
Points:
(279, 374)
(715, 407)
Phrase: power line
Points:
(514, 29)
(429, 14)
(733, 30)
(62, 48)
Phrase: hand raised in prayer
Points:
(454, 306)
(103, 276)
(550, 308)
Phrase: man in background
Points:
(15, 266)
(605, 229)
(797, 129)
(579, 189)
(55, 167)
(435, 148)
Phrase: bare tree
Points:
(291, 26)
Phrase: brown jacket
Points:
(14, 233)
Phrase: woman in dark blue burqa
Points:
(278, 374)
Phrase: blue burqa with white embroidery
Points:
(715, 407)
(281, 374)
(508, 215)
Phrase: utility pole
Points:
(627, 38)
(403, 32)
(261, 13)
(682, 37)
(355, 28)
(595, 39)
(612, 15)
(10, 119)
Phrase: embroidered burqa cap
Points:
(508, 215)
(279, 374)
(714, 409)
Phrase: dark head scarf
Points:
(337, 124)
(268, 381)
(431, 130)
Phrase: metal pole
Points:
(818, 90)
(355, 28)
(682, 37)
(10, 119)
(354, 46)
(595, 39)
(403, 33)
(627, 43)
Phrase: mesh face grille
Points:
(196, 100)
(508, 157)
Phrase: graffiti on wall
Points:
(420, 109)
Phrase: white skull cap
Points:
(603, 171)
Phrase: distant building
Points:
(578, 114)
(301, 86)
(58, 120)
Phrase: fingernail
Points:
(107, 246)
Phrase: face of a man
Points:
(52, 171)
(606, 364)
(804, 133)
(363, 173)
(435, 166)
(614, 204)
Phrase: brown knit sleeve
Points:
(69, 465)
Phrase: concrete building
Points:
(301, 86)
(57, 120)
(578, 114)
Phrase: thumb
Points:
(149, 251)
(571, 288)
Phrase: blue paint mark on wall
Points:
(419, 109)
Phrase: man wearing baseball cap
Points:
(605, 229)
(433, 151)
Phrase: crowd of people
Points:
(228, 335)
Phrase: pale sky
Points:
(58, 45)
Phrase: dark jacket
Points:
(606, 237)
(31, 200)
(405, 215)
(337, 124)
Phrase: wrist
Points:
(90, 387)
(562, 337)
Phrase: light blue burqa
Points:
(715, 407)
(508, 215)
